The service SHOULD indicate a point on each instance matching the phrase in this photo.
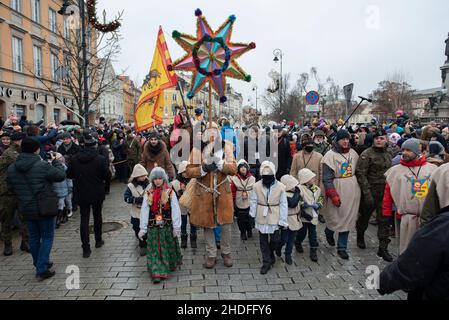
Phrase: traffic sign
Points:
(312, 98)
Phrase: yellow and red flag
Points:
(150, 108)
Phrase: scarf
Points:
(414, 163)
(157, 193)
(155, 149)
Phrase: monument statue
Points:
(447, 49)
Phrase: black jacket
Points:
(68, 154)
(89, 171)
(423, 269)
(40, 175)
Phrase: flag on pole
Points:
(150, 108)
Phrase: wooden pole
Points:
(210, 106)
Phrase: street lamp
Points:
(255, 88)
(278, 55)
(65, 12)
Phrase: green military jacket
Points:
(371, 168)
(133, 149)
(8, 157)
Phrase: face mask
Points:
(268, 181)
(308, 149)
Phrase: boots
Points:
(183, 241)
(64, 218)
(288, 260)
(343, 254)
(249, 234)
(24, 246)
(227, 260)
(59, 219)
(193, 244)
(384, 254)
(361, 241)
(243, 236)
(8, 249)
(313, 255)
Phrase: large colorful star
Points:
(211, 56)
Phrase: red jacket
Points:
(387, 204)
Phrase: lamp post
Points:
(278, 55)
(85, 87)
(255, 88)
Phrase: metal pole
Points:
(280, 84)
(84, 61)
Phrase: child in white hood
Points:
(311, 202)
(268, 205)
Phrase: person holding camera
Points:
(29, 177)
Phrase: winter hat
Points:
(65, 135)
(138, 171)
(413, 145)
(5, 134)
(182, 167)
(198, 111)
(267, 168)
(242, 163)
(436, 147)
(89, 141)
(17, 136)
(30, 145)
(379, 133)
(305, 175)
(319, 133)
(289, 182)
(154, 135)
(394, 138)
(158, 173)
(343, 134)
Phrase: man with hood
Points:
(155, 154)
(342, 192)
(68, 148)
(283, 153)
(27, 177)
(89, 171)
(211, 163)
(321, 146)
(407, 187)
(370, 172)
(133, 151)
(242, 186)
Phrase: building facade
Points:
(131, 96)
(111, 101)
(32, 47)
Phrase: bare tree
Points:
(102, 49)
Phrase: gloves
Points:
(176, 233)
(336, 201)
(142, 234)
(138, 201)
(210, 167)
(335, 198)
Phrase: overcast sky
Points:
(360, 41)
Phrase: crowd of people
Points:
(282, 180)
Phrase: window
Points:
(175, 97)
(66, 29)
(16, 5)
(52, 20)
(36, 10)
(54, 66)
(19, 110)
(56, 116)
(37, 53)
(17, 52)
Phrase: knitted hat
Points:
(138, 171)
(154, 135)
(17, 136)
(182, 167)
(30, 145)
(65, 135)
(394, 138)
(198, 111)
(319, 133)
(158, 173)
(89, 141)
(289, 182)
(267, 168)
(305, 175)
(343, 134)
(412, 145)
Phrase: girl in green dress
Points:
(160, 221)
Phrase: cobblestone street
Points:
(116, 271)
